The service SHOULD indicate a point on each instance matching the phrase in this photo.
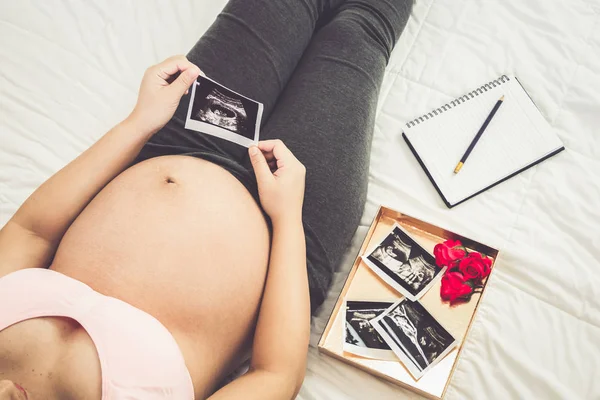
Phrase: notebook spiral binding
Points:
(459, 100)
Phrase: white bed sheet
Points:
(69, 70)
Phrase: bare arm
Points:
(282, 333)
(31, 237)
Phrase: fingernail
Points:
(253, 150)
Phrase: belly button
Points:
(168, 179)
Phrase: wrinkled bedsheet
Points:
(69, 70)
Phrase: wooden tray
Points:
(363, 284)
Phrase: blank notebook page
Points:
(517, 137)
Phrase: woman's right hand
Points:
(280, 177)
(161, 90)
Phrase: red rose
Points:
(448, 252)
(475, 266)
(454, 287)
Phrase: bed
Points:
(69, 70)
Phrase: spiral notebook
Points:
(517, 138)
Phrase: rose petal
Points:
(452, 243)
(455, 253)
(487, 261)
(441, 254)
(462, 263)
(454, 287)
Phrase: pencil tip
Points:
(502, 98)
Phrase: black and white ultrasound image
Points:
(219, 106)
(405, 261)
(359, 331)
(417, 332)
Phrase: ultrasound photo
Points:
(416, 337)
(403, 264)
(221, 112)
(360, 337)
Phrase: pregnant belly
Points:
(179, 238)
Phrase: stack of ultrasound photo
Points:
(401, 331)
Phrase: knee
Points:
(380, 20)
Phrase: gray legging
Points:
(317, 66)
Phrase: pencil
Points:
(476, 138)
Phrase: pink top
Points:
(139, 358)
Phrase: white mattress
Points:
(70, 70)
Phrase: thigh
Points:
(252, 47)
(326, 113)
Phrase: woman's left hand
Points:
(280, 178)
(160, 94)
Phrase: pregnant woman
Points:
(156, 261)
